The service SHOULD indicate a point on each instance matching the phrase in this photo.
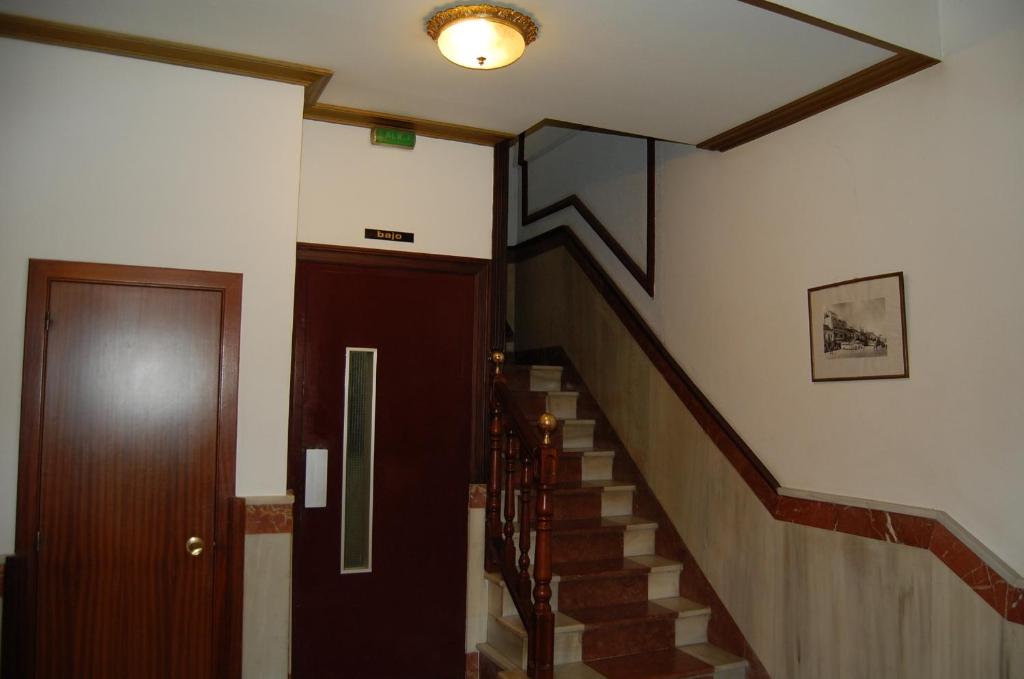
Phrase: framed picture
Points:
(858, 329)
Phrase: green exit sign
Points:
(387, 136)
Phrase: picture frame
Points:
(858, 329)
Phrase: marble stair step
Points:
(597, 464)
(576, 670)
(588, 499)
(545, 378)
(597, 583)
(685, 662)
(727, 665)
(596, 538)
(577, 434)
(692, 620)
(626, 629)
(508, 636)
(562, 404)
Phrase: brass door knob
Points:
(194, 546)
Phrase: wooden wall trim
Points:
(499, 247)
(16, 643)
(329, 113)
(229, 629)
(1005, 596)
(644, 277)
(311, 78)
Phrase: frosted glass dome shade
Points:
(481, 43)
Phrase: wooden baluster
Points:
(544, 619)
(493, 526)
(511, 458)
(525, 495)
(525, 521)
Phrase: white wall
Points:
(123, 161)
(442, 191)
(608, 173)
(924, 176)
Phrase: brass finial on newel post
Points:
(548, 423)
(497, 358)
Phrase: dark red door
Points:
(127, 474)
(399, 611)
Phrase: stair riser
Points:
(692, 629)
(629, 638)
(595, 468)
(731, 673)
(586, 547)
(568, 645)
(569, 547)
(499, 602)
(607, 591)
(589, 592)
(637, 542)
(663, 584)
(577, 505)
(570, 469)
(577, 434)
(545, 379)
(616, 503)
(562, 405)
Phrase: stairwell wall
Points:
(812, 603)
(922, 176)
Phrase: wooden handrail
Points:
(523, 457)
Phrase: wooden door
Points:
(133, 392)
(403, 613)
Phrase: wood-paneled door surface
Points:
(425, 317)
(128, 435)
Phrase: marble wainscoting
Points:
(812, 602)
(476, 584)
(266, 614)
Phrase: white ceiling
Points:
(683, 70)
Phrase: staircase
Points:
(618, 613)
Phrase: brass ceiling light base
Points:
(481, 37)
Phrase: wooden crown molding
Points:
(314, 79)
(871, 78)
(329, 113)
(310, 78)
(904, 62)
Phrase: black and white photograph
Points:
(858, 329)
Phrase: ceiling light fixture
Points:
(481, 37)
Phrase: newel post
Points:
(547, 466)
(493, 525)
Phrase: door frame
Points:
(229, 511)
(480, 269)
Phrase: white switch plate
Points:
(316, 478)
